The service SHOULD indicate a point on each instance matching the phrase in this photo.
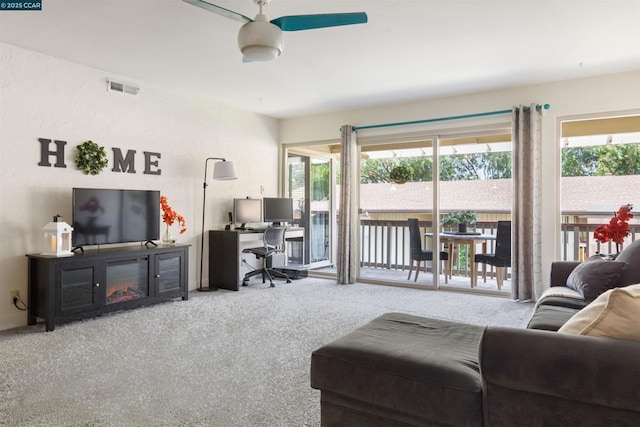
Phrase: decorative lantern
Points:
(57, 238)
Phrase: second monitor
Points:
(277, 210)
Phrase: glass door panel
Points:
(395, 185)
(600, 172)
(309, 184)
(475, 189)
(77, 289)
(169, 272)
(319, 217)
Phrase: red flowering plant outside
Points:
(618, 227)
(169, 216)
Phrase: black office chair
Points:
(417, 253)
(501, 259)
(273, 243)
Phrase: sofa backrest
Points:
(631, 273)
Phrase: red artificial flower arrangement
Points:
(169, 216)
(618, 227)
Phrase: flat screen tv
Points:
(277, 209)
(247, 211)
(103, 216)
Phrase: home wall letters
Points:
(121, 163)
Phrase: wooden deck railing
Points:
(578, 244)
(385, 243)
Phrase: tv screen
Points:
(102, 216)
(247, 210)
(278, 209)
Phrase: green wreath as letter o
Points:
(91, 158)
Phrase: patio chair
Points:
(418, 254)
(501, 259)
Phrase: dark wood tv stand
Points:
(101, 281)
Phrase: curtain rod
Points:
(442, 119)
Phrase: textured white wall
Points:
(45, 97)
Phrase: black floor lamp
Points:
(222, 170)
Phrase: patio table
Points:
(471, 239)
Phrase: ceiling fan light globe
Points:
(260, 53)
(260, 41)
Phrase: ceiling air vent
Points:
(113, 86)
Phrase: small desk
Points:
(472, 240)
(225, 254)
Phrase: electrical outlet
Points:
(13, 294)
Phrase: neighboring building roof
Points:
(578, 194)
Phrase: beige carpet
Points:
(220, 359)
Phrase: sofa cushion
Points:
(427, 368)
(614, 314)
(594, 276)
(563, 297)
(630, 255)
(551, 317)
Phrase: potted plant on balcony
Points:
(464, 219)
(449, 220)
(400, 174)
(461, 218)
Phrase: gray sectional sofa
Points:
(405, 370)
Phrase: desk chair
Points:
(273, 239)
(501, 259)
(417, 253)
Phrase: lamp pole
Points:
(204, 201)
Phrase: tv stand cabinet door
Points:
(77, 288)
(170, 274)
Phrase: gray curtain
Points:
(348, 217)
(527, 198)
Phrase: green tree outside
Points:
(620, 159)
(452, 168)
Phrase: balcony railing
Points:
(384, 244)
(578, 243)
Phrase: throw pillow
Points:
(614, 314)
(594, 276)
(631, 255)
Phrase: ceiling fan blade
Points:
(220, 10)
(310, 22)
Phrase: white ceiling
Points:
(408, 50)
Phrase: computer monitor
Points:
(247, 211)
(278, 209)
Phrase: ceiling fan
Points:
(261, 40)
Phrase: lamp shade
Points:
(224, 171)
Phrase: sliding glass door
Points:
(309, 183)
(421, 176)
(475, 189)
(396, 185)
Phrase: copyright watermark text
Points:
(20, 5)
